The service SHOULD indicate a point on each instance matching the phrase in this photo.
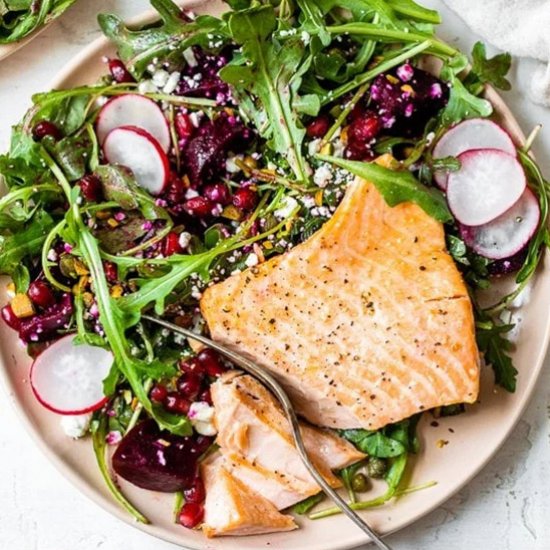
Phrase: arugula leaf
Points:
(19, 18)
(397, 186)
(303, 507)
(312, 20)
(138, 48)
(271, 74)
(413, 10)
(462, 103)
(491, 70)
(71, 154)
(495, 349)
(119, 186)
(26, 242)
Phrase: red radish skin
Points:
(475, 133)
(507, 235)
(140, 152)
(488, 183)
(133, 110)
(68, 379)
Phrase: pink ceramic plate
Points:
(477, 436)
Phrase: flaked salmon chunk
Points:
(256, 442)
(366, 323)
(231, 508)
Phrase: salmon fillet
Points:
(366, 323)
(231, 508)
(256, 443)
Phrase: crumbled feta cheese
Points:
(195, 118)
(251, 260)
(147, 87)
(288, 204)
(305, 37)
(189, 56)
(313, 147)
(76, 426)
(323, 176)
(160, 78)
(201, 415)
(184, 239)
(171, 83)
(231, 166)
(308, 201)
(52, 255)
(191, 194)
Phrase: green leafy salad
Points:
(210, 146)
(19, 18)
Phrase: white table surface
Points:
(506, 506)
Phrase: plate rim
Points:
(157, 531)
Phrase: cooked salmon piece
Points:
(255, 439)
(366, 323)
(231, 508)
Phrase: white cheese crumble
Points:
(231, 166)
(191, 194)
(251, 260)
(184, 239)
(201, 415)
(288, 204)
(76, 426)
(313, 147)
(160, 78)
(323, 176)
(147, 87)
(171, 83)
(189, 56)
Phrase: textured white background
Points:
(507, 506)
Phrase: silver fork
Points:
(268, 380)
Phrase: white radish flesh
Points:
(488, 183)
(509, 233)
(475, 133)
(134, 110)
(68, 378)
(140, 152)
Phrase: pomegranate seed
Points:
(206, 396)
(171, 244)
(211, 363)
(218, 192)
(177, 404)
(46, 128)
(191, 514)
(10, 318)
(111, 271)
(184, 126)
(196, 493)
(318, 127)
(192, 365)
(245, 198)
(365, 129)
(91, 188)
(200, 207)
(41, 294)
(119, 72)
(158, 393)
(189, 385)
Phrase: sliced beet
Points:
(406, 104)
(44, 327)
(158, 460)
(206, 153)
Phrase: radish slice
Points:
(488, 183)
(133, 110)
(68, 379)
(141, 153)
(508, 234)
(475, 133)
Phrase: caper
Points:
(377, 467)
(360, 483)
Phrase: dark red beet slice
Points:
(158, 460)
